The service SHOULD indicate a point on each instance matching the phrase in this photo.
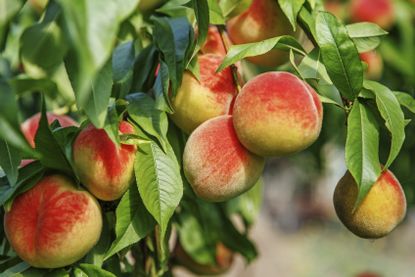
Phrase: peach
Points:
(374, 63)
(197, 101)
(39, 5)
(29, 126)
(336, 7)
(276, 113)
(216, 165)
(379, 213)
(224, 260)
(105, 169)
(54, 224)
(380, 12)
(214, 43)
(264, 19)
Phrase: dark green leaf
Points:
(240, 51)
(201, 8)
(122, 65)
(133, 222)
(291, 8)
(362, 148)
(9, 161)
(391, 112)
(339, 55)
(92, 271)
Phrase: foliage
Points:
(104, 60)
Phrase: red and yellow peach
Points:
(379, 213)
(54, 224)
(276, 113)
(210, 96)
(374, 63)
(104, 168)
(216, 164)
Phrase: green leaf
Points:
(291, 8)
(91, 271)
(25, 83)
(97, 254)
(142, 109)
(9, 125)
(9, 161)
(215, 13)
(390, 110)
(240, 51)
(201, 8)
(162, 89)
(133, 222)
(52, 155)
(91, 27)
(406, 100)
(365, 35)
(248, 204)
(43, 47)
(28, 177)
(96, 107)
(122, 65)
(8, 10)
(339, 55)
(159, 182)
(362, 148)
(16, 269)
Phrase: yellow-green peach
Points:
(216, 164)
(103, 168)
(54, 224)
(264, 19)
(276, 113)
(147, 5)
(379, 213)
(210, 96)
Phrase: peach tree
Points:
(133, 134)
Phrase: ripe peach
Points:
(264, 19)
(380, 12)
(336, 7)
(30, 125)
(216, 165)
(54, 224)
(197, 101)
(214, 43)
(276, 113)
(105, 169)
(379, 213)
(374, 63)
(224, 260)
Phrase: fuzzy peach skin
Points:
(380, 12)
(380, 212)
(264, 19)
(29, 126)
(54, 224)
(216, 165)
(276, 113)
(105, 169)
(197, 101)
(224, 260)
(374, 63)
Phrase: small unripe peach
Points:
(147, 5)
(104, 168)
(199, 100)
(264, 19)
(276, 113)
(379, 213)
(29, 126)
(216, 164)
(380, 12)
(54, 224)
(374, 63)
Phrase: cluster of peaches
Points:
(231, 133)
